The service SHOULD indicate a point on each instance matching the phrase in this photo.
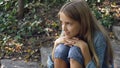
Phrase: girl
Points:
(83, 42)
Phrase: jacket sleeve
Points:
(100, 47)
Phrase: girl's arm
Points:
(83, 47)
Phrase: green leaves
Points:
(102, 12)
(103, 15)
(107, 21)
(91, 2)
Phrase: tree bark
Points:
(20, 9)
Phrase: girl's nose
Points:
(64, 28)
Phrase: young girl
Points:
(83, 42)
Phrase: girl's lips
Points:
(67, 33)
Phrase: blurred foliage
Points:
(39, 22)
(18, 38)
(90, 2)
(103, 15)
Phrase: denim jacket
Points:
(100, 47)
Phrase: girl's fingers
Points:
(68, 44)
(69, 41)
(74, 38)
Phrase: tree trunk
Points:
(41, 1)
(20, 9)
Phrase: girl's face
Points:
(70, 27)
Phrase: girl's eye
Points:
(68, 23)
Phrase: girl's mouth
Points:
(67, 33)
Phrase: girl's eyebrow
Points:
(65, 20)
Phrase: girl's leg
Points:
(75, 64)
(61, 56)
(76, 58)
(59, 63)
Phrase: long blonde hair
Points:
(79, 11)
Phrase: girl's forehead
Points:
(62, 16)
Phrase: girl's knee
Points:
(61, 52)
(75, 53)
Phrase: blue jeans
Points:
(65, 53)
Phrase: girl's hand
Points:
(76, 42)
(60, 40)
(83, 46)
